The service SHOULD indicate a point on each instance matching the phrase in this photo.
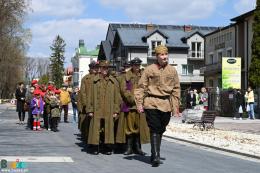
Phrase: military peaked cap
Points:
(92, 64)
(136, 61)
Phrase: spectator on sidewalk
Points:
(190, 100)
(29, 97)
(20, 97)
(74, 100)
(37, 109)
(64, 101)
(197, 96)
(250, 100)
(239, 105)
(204, 98)
(54, 110)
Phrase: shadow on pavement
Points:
(145, 159)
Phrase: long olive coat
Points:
(84, 98)
(106, 98)
(128, 83)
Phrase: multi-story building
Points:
(185, 43)
(80, 62)
(233, 40)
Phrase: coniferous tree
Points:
(57, 61)
(254, 71)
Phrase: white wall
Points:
(196, 38)
(83, 66)
(178, 59)
(140, 53)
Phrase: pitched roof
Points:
(190, 34)
(243, 16)
(132, 35)
(106, 48)
(154, 31)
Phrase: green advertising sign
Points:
(231, 72)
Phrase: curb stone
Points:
(214, 147)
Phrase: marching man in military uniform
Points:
(135, 128)
(103, 109)
(84, 98)
(158, 95)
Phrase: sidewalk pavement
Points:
(228, 124)
(236, 136)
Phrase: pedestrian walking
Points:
(64, 101)
(20, 95)
(250, 100)
(158, 95)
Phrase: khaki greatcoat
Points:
(131, 121)
(105, 102)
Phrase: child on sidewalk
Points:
(55, 110)
(37, 109)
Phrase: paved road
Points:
(16, 141)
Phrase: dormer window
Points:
(153, 39)
(154, 45)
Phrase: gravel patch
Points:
(231, 140)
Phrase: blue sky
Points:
(89, 19)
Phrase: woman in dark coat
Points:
(20, 97)
(190, 100)
(240, 101)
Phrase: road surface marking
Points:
(46, 159)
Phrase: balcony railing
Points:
(196, 55)
(191, 78)
(213, 68)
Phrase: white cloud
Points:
(243, 6)
(166, 11)
(71, 30)
(59, 8)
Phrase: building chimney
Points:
(187, 28)
(149, 27)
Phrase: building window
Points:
(196, 50)
(211, 59)
(187, 69)
(229, 53)
(154, 45)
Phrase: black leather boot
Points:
(155, 149)
(129, 144)
(160, 147)
(137, 145)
